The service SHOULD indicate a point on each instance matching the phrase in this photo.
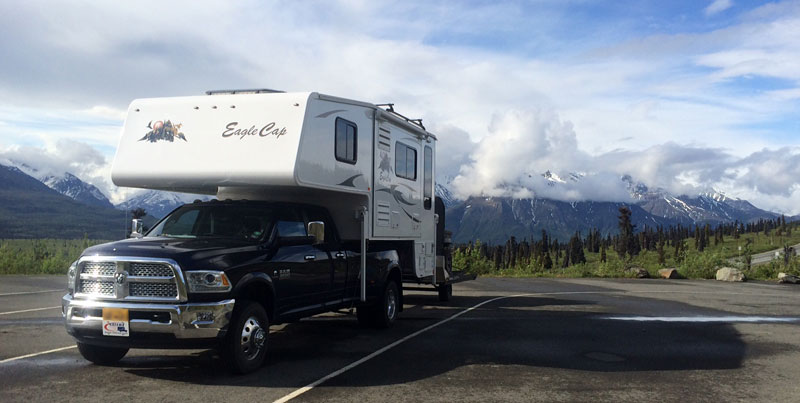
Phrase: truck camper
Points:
(322, 204)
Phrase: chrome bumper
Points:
(185, 321)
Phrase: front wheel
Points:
(245, 345)
(101, 355)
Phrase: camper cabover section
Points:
(200, 143)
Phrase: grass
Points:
(41, 256)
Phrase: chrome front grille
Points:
(151, 270)
(127, 278)
(99, 268)
(158, 290)
(97, 287)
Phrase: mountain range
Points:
(29, 194)
(494, 219)
(159, 203)
(67, 184)
(31, 209)
(34, 204)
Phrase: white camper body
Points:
(345, 155)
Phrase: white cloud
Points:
(718, 6)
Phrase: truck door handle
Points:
(311, 257)
(339, 255)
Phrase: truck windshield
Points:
(248, 223)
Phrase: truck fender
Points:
(259, 280)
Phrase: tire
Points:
(101, 355)
(445, 292)
(245, 345)
(386, 312)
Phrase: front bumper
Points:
(152, 325)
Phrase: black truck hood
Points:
(198, 254)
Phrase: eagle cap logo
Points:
(166, 131)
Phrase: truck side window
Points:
(427, 186)
(346, 141)
(405, 161)
(291, 228)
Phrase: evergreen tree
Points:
(627, 240)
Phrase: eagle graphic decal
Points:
(166, 131)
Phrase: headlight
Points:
(71, 273)
(207, 281)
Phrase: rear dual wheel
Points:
(445, 292)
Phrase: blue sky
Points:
(512, 88)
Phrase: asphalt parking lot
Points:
(497, 340)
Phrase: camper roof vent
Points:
(390, 108)
(250, 91)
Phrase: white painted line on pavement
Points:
(29, 292)
(336, 373)
(36, 354)
(705, 319)
(30, 310)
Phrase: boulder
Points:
(668, 273)
(788, 278)
(730, 274)
(638, 272)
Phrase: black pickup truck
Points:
(216, 274)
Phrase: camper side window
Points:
(405, 161)
(346, 141)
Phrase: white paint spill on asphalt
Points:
(705, 319)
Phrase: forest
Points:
(696, 252)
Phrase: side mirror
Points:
(317, 230)
(137, 228)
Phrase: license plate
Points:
(116, 322)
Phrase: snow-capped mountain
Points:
(158, 203)
(712, 207)
(67, 184)
(494, 219)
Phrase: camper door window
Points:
(346, 141)
(405, 162)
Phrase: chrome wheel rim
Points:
(253, 338)
(391, 303)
